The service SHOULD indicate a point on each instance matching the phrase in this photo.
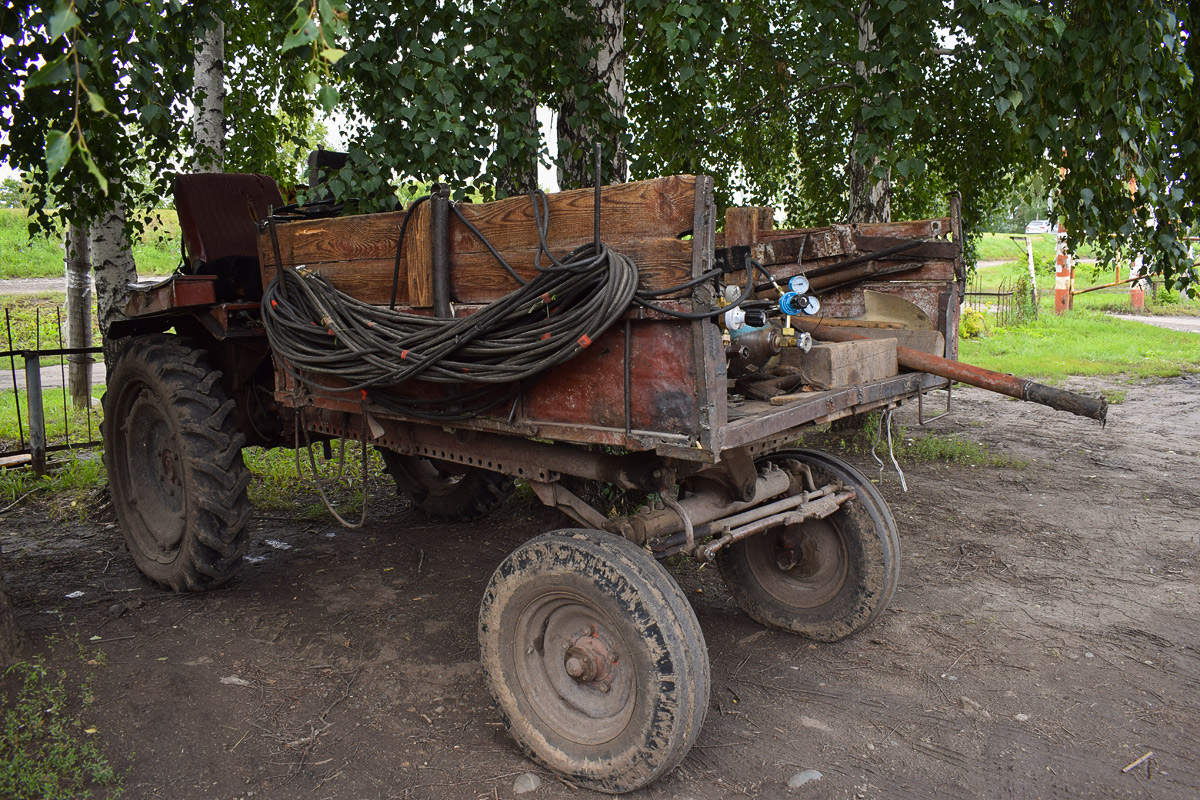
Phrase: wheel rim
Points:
(155, 481)
(572, 664)
(803, 565)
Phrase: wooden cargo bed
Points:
(651, 381)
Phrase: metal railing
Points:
(40, 429)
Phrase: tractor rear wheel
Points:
(174, 464)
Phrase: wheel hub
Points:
(589, 661)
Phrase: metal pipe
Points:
(704, 507)
(439, 249)
(1011, 385)
(1134, 279)
(37, 417)
(818, 509)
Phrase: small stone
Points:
(973, 709)
(801, 778)
(526, 782)
(1021, 718)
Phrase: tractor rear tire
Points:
(174, 462)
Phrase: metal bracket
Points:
(921, 420)
(554, 494)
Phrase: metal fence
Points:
(1002, 302)
(47, 402)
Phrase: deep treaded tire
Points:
(174, 464)
(446, 490)
(824, 578)
(595, 659)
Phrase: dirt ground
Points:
(1044, 635)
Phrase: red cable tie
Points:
(585, 340)
(545, 336)
(364, 391)
(274, 303)
(403, 354)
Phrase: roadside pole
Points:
(1064, 276)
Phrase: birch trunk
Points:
(870, 196)
(79, 315)
(577, 137)
(208, 100)
(114, 265)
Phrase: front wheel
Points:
(174, 462)
(595, 659)
(822, 578)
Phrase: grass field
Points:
(156, 253)
(1001, 247)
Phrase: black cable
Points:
(321, 333)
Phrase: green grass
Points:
(34, 320)
(276, 486)
(46, 752)
(910, 447)
(1115, 299)
(58, 424)
(1000, 247)
(156, 253)
(1084, 342)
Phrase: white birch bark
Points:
(114, 267)
(208, 99)
(576, 140)
(870, 197)
(79, 314)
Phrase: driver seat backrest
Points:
(219, 214)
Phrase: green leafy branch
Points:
(319, 24)
(60, 145)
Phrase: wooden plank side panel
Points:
(654, 209)
(418, 253)
(477, 278)
(320, 241)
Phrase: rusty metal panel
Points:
(219, 212)
(178, 291)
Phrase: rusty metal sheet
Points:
(178, 291)
(219, 212)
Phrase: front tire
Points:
(595, 659)
(174, 463)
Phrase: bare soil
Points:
(1044, 635)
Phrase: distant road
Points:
(34, 285)
(1187, 324)
(52, 377)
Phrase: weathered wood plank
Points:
(832, 364)
(926, 341)
(477, 278)
(659, 208)
(743, 224)
(418, 254)
(318, 241)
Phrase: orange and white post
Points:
(1064, 275)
